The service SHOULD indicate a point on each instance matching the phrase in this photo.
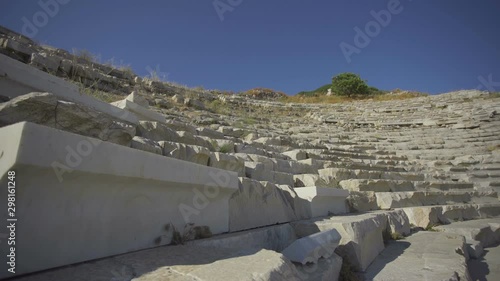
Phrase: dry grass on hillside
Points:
(341, 99)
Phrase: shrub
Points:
(349, 84)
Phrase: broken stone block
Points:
(398, 222)
(311, 248)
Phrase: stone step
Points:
(426, 216)
(369, 167)
(421, 256)
(395, 185)
(486, 174)
(390, 200)
(177, 263)
(339, 174)
(275, 238)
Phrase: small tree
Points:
(349, 84)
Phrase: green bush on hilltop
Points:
(350, 84)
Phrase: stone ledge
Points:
(108, 200)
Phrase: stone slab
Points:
(274, 237)
(49, 110)
(178, 263)
(81, 198)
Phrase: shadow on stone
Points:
(478, 268)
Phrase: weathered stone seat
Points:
(102, 199)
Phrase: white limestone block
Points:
(324, 201)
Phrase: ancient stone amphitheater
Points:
(171, 183)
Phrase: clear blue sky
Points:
(287, 45)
